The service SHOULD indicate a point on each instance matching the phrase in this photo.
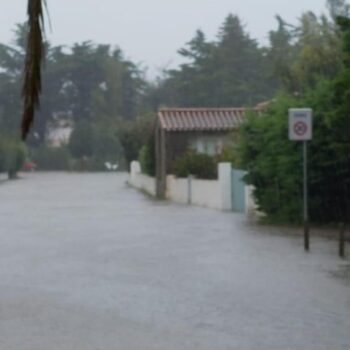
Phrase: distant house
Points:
(206, 130)
(59, 133)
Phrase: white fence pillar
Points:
(189, 189)
(135, 169)
(225, 180)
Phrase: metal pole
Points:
(305, 205)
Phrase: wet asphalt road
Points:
(87, 263)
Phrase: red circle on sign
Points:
(300, 128)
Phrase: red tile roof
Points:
(201, 119)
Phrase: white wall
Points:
(177, 189)
(206, 193)
(225, 181)
(141, 181)
(215, 194)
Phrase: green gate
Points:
(238, 190)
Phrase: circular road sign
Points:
(300, 128)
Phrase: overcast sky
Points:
(151, 31)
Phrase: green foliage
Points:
(338, 8)
(147, 158)
(12, 154)
(231, 71)
(133, 135)
(199, 165)
(274, 163)
(106, 144)
(234, 70)
(52, 158)
(88, 164)
(82, 139)
(302, 54)
(87, 82)
(92, 145)
(314, 72)
(229, 154)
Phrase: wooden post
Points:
(163, 164)
(160, 138)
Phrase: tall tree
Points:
(241, 67)
(281, 54)
(303, 54)
(338, 8)
(11, 65)
(231, 71)
(319, 50)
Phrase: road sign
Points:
(300, 129)
(300, 124)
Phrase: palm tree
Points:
(33, 64)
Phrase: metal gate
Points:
(238, 190)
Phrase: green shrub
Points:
(12, 154)
(147, 158)
(274, 163)
(94, 144)
(81, 142)
(229, 154)
(93, 164)
(134, 134)
(199, 165)
(50, 158)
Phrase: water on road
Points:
(87, 263)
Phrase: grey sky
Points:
(151, 31)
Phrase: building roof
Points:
(202, 119)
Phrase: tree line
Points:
(92, 86)
(112, 105)
(313, 66)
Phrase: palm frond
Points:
(34, 57)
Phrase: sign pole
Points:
(300, 129)
(305, 205)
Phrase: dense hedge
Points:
(12, 155)
(49, 158)
(199, 165)
(147, 158)
(274, 163)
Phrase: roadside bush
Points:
(50, 158)
(12, 155)
(81, 142)
(147, 158)
(199, 165)
(229, 154)
(94, 144)
(274, 163)
(106, 147)
(93, 164)
(134, 134)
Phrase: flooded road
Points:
(87, 263)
